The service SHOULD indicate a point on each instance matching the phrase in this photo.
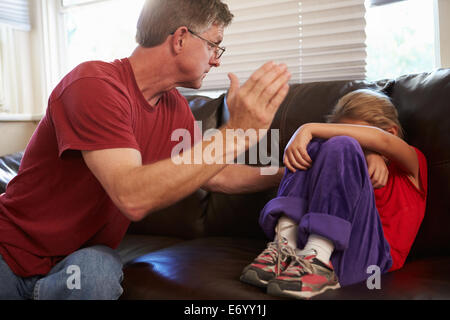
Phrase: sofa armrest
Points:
(9, 166)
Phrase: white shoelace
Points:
(287, 250)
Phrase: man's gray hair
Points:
(159, 18)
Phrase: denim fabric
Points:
(92, 273)
(334, 199)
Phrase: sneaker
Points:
(269, 264)
(305, 277)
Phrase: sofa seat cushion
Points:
(205, 268)
(418, 280)
(134, 246)
(209, 268)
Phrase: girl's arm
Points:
(377, 169)
(370, 138)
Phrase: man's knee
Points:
(104, 256)
(97, 272)
(101, 261)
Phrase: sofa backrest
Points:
(423, 102)
(424, 111)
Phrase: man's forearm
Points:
(138, 190)
(237, 178)
(147, 188)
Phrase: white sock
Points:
(287, 228)
(321, 245)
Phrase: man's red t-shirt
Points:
(401, 206)
(55, 205)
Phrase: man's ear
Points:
(179, 39)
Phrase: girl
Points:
(352, 200)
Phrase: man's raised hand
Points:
(254, 104)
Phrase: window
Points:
(98, 30)
(400, 38)
(14, 67)
(297, 32)
(262, 30)
(317, 38)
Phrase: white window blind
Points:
(261, 30)
(382, 2)
(15, 13)
(319, 40)
(333, 40)
(75, 3)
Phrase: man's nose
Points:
(215, 62)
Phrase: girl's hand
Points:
(378, 171)
(295, 154)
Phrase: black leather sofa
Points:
(197, 248)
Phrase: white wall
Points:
(15, 135)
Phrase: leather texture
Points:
(197, 248)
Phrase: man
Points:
(100, 157)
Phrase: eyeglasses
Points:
(218, 50)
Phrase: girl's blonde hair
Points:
(367, 105)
